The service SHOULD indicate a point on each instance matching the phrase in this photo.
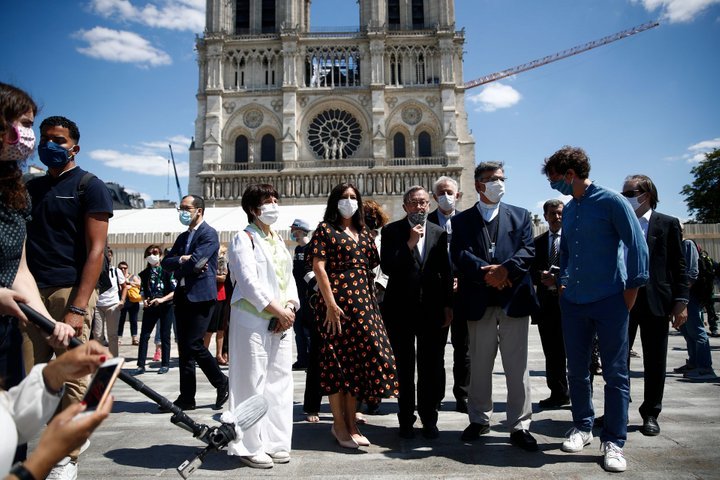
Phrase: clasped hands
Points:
(496, 276)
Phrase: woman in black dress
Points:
(356, 360)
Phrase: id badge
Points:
(491, 251)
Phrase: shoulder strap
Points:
(251, 238)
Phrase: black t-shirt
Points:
(56, 247)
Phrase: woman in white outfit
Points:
(262, 313)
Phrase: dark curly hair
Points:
(254, 195)
(13, 103)
(566, 158)
(332, 214)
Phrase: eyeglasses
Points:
(185, 209)
(418, 203)
(632, 193)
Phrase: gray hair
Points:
(411, 190)
(445, 179)
(552, 203)
(487, 167)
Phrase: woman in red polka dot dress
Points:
(356, 360)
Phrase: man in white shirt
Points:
(107, 309)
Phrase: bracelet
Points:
(291, 307)
(77, 310)
(21, 472)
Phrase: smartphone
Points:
(273, 324)
(100, 385)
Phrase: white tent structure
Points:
(131, 231)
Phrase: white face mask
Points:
(22, 148)
(347, 207)
(269, 213)
(446, 202)
(494, 191)
(153, 260)
(634, 202)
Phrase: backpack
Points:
(104, 282)
(704, 284)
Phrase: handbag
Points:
(133, 294)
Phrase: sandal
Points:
(312, 417)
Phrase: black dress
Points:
(359, 360)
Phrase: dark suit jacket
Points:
(668, 279)
(515, 250)
(549, 302)
(417, 290)
(205, 243)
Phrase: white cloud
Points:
(149, 158)
(676, 11)
(696, 153)
(121, 46)
(169, 14)
(495, 96)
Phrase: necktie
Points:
(554, 250)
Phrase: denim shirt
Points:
(592, 264)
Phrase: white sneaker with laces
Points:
(280, 457)
(261, 460)
(575, 440)
(614, 459)
(63, 470)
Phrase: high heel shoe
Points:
(360, 439)
(344, 443)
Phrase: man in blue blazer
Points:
(193, 260)
(492, 249)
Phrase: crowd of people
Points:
(362, 295)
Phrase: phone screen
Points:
(101, 383)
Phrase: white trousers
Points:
(495, 329)
(261, 363)
(109, 318)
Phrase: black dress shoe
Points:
(138, 371)
(407, 432)
(222, 395)
(461, 405)
(181, 404)
(473, 431)
(554, 402)
(430, 432)
(650, 427)
(523, 439)
(599, 421)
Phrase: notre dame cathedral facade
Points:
(279, 102)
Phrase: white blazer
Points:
(252, 272)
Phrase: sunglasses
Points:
(632, 193)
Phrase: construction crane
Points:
(560, 55)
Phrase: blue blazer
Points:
(469, 251)
(200, 287)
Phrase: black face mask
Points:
(371, 223)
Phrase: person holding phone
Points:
(26, 408)
(356, 359)
(544, 272)
(263, 306)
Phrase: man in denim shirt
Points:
(598, 287)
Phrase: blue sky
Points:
(126, 72)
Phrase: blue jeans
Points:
(696, 338)
(609, 319)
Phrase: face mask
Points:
(347, 207)
(417, 218)
(153, 260)
(494, 191)
(53, 155)
(634, 202)
(562, 187)
(269, 213)
(446, 202)
(185, 217)
(22, 148)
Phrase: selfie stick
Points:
(245, 415)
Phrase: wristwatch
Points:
(21, 472)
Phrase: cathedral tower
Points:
(381, 106)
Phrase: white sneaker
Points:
(614, 458)
(261, 460)
(575, 440)
(64, 470)
(280, 457)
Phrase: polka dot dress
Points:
(359, 360)
(12, 237)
